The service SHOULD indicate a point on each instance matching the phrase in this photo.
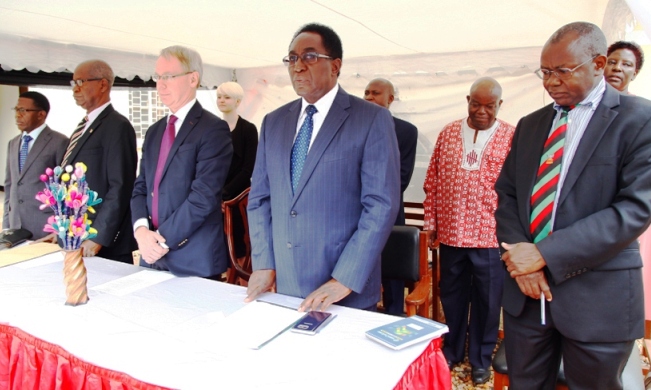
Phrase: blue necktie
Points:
(22, 156)
(301, 145)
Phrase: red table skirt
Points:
(29, 363)
(428, 371)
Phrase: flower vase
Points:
(74, 277)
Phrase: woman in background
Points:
(245, 144)
(625, 59)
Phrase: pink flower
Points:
(74, 199)
(46, 198)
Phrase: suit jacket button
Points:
(20, 183)
(20, 201)
(567, 276)
(293, 214)
(289, 245)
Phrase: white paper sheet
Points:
(47, 259)
(256, 324)
(134, 282)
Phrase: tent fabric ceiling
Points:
(57, 35)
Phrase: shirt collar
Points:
(182, 112)
(34, 133)
(322, 105)
(95, 113)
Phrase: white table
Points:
(166, 334)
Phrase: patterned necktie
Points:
(165, 147)
(301, 146)
(73, 140)
(544, 191)
(22, 156)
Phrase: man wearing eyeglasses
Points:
(325, 190)
(573, 196)
(105, 141)
(28, 155)
(176, 203)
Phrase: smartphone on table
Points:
(312, 322)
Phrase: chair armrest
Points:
(421, 293)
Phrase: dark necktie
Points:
(74, 138)
(301, 146)
(549, 172)
(22, 156)
(165, 147)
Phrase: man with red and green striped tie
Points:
(573, 196)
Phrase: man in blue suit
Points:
(325, 190)
(176, 203)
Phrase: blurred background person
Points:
(244, 136)
(625, 59)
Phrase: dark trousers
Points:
(533, 354)
(393, 296)
(471, 279)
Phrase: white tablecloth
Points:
(168, 334)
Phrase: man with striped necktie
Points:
(573, 196)
(29, 154)
(105, 141)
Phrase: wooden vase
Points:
(74, 277)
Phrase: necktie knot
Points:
(310, 110)
(172, 120)
(27, 138)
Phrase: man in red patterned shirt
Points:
(459, 205)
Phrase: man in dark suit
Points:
(574, 194)
(37, 147)
(106, 142)
(326, 185)
(176, 201)
(381, 92)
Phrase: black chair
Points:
(405, 258)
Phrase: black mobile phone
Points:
(312, 322)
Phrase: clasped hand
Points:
(149, 245)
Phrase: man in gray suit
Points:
(326, 185)
(37, 147)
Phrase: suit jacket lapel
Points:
(331, 125)
(597, 127)
(89, 132)
(188, 124)
(531, 153)
(37, 149)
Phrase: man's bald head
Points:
(484, 103)
(380, 91)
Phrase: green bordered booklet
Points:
(407, 331)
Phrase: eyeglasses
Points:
(560, 73)
(80, 82)
(168, 77)
(22, 111)
(307, 58)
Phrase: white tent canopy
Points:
(57, 35)
(432, 51)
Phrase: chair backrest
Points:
(401, 254)
(241, 265)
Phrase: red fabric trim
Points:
(29, 363)
(428, 371)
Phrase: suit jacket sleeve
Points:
(242, 180)
(5, 218)
(139, 195)
(120, 174)
(407, 141)
(380, 197)
(510, 229)
(259, 211)
(212, 163)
